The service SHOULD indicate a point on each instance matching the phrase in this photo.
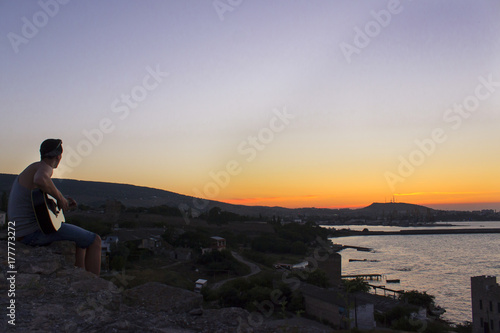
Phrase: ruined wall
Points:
(485, 295)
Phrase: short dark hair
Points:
(51, 148)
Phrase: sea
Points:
(440, 265)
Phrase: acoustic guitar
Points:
(48, 215)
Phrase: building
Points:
(199, 284)
(153, 243)
(485, 295)
(181, 254)
(107, 242)
(332, 265)
(218, 243)
(300, 266)
(340, 310)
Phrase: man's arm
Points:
(42, 179)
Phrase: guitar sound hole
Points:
(52, 206)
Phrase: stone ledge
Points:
(158, 297)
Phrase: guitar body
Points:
(48, 215)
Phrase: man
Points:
(20, 209)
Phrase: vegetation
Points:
(421, 299)
(259, 258)
(163, 210)
(399, 318)
(257, 293)
(194, 239)
(465, 327)
(118, 256)
(265, 291)
(217, 262)
(217, 216)
(291, 238)
(98, 226)
(355, 285)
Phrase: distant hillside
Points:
(393, 207)
(97, 193)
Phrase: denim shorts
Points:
(67, 232)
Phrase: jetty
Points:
(340, 247)
(395, 293)
(377, 277)
(446, 231)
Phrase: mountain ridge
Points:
(95, 193)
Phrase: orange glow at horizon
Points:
(309, 202)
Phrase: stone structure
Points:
(338, 308)
(332, 265)
(485, 294)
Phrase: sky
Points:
(297, 104)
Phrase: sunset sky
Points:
(278, 103)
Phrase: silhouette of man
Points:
(20, 209)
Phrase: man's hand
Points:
(63, 204)
(72, 203)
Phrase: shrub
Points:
(355, 285)
(419, 298)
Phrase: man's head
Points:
(51, 149)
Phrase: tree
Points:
(319, 278)
(355, 285)
(298, 247)
(419, 298)
(118, 256)
(424, 300)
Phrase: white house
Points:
(107, 242)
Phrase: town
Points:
(275, 267)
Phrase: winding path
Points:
(253, 267)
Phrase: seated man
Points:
(20, 209)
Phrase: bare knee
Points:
(97, 241)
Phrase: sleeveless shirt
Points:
(20, 210)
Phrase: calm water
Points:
(439, 264)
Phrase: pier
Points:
(372, 277)
(394, 292)
(447, 231)
(340, 247)
(378, 277)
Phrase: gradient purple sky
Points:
(230, 68)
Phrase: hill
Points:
(394, 207)
(97, 193)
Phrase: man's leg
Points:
(88, 246)
(80, 257)
(93, 256)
